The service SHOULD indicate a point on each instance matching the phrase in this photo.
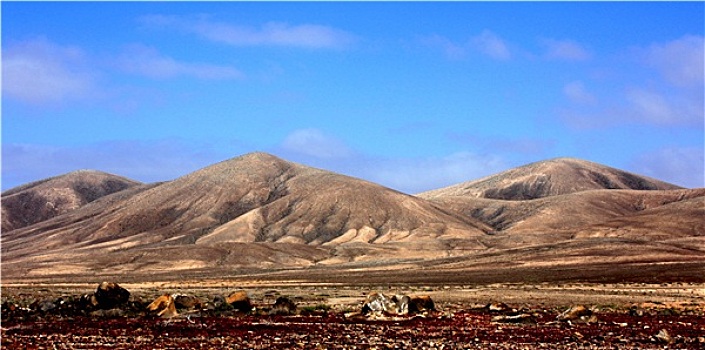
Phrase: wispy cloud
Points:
(491, 45)
(680, 61)
(312, 36)
(147, 61)
(487, 43)
(314, 142)
(683, 166)
(577, 93)
(564, 50)
(664, 86)
(415, 175)
(40, 72)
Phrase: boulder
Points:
(240, 301)
(413, 304)
(110, 295)
(283, 306)
(421, 303)
(163, 306)
(577, 313)
(378, 303)
(187, 302)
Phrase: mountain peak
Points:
(551, 177)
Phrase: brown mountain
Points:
(41, 200)
(550, 178)
(258, 214)
(256, 198)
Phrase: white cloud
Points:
(680, 61)
(565, 50)
(311, 36)
(315, 143)
(577, 93)
(659, 108)
(147, 61)
(681, 166)
(40, 72)
(492, 45)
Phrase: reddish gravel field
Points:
(459, 330)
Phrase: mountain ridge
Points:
(258, 212)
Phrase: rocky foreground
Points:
(113, 318)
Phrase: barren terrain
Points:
(647, 316)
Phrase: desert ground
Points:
(626, 316)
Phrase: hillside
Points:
(550, 178)
(42, 200)
(253, 198)
(260, 215)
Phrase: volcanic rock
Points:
(283, 306)
(110, 295)
(240, 301)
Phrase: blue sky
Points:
(411, 95)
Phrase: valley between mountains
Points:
(266, 218)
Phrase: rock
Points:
(240, 301)
(498, 307)
(43, 306)
(110, 295)
(283, 306)
(378, 303)
(663, 337)
(577, 313)
(163, 306)
(187, 302)
(421, 303)
(403, 304)
(108, 313)
(520, 318)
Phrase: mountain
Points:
(42, 200)
(550, 178)
(259, 215)
(256, 198)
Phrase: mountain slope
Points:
(582, 210)
(38, 201)
(258, 214)
(550, 178)
(249, 199)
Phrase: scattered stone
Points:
(187, 302)
(378, 303)
(577, 313)
(163, 306)
(110, 295)
(520, 318)
(421, 303)
(498, 307)
(240, 301)
(283, 306)
(663, 337)
(110, 313)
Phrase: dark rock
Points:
(110, 295)
(283, 306)
(240, 301)
(187, 302)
